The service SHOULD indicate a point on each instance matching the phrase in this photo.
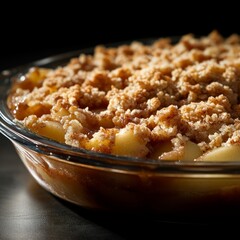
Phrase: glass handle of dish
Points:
(4, 74)
(4, 77)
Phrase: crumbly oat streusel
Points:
(160, 94)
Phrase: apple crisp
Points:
(166, 101)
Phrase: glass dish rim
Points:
(76, 155)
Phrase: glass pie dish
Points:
(116, 183)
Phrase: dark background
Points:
(28, 34)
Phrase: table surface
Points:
(27, 211)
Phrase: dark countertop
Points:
(27, 211)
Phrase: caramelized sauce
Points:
(32, 79)
(22, 110)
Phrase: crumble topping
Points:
(139, 100)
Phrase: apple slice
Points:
(222, 154)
